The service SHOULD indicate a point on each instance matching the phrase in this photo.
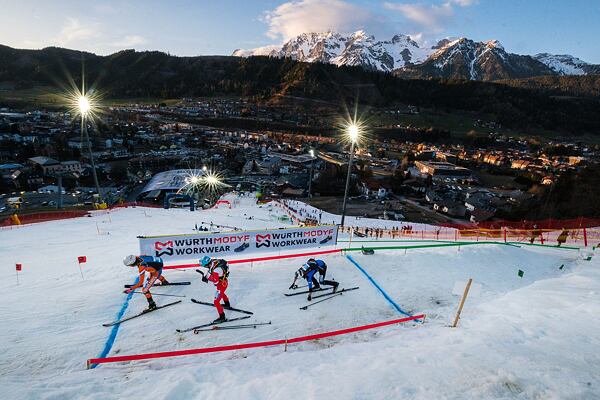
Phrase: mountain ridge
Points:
(461, 58)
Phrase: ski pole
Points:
(159, 294)
(218, 328)
(317, 302)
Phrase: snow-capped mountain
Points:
(467, 59)
(356, 49)
(564, 64)
(459, 59)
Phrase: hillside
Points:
(54, 315)
(131, 74)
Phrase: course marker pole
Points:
(18, 267)
(462, 302)
(81, 260)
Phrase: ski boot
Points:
(220, 319)
(151, 305)
(335, 286)
(226, 304)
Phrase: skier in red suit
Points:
(218, 273)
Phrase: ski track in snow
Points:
(534, 337)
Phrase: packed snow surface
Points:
(535, 337)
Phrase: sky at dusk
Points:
(203, 27)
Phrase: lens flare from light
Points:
(353, 132)
(204, 180)
(353, 128)
(84, 105)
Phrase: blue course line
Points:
(387, 297)
(115, 329)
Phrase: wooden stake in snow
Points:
(18, 268)
(351, 234)
(462, 302)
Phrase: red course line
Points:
(247, 260)
(177, 353)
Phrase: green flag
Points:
(520, 273)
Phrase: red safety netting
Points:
(135, 204)
(278, 342)
(58, 215)
(44, 216)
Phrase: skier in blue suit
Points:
(308, 272)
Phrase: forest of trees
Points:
(130, 74)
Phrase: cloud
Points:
(301, 16)
(105, 8)
(73, 31)
(432, 17)
(130, 41)
(464, 3)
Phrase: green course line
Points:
(547, 246)
(397, 241)
(426, 246)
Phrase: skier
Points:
(218, 273)
(535, 233)
(562, 237)
(146, 264)
(308, 272)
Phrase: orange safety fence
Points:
(543, 236)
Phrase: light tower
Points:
(85, 107)
(353, 133)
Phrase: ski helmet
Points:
(204, 261)
(130, 260)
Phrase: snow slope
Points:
(530, 337)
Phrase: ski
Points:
(162, 294)
(225, 308)
(306, 291)
(211, 324)
(242, 247)
(174, 284)
(327, 239)
(331, 296)
(168, 284)
(338, 291)
(140, 314)
(242, 326)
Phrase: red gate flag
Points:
(81, 259)
(19, 267)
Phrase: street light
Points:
(85, 108)
(310, 177)
(353, 132)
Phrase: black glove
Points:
(309, 298)
(204, 279)
(294, 286)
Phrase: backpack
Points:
(224, 268)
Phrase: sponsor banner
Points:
(194, 246)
